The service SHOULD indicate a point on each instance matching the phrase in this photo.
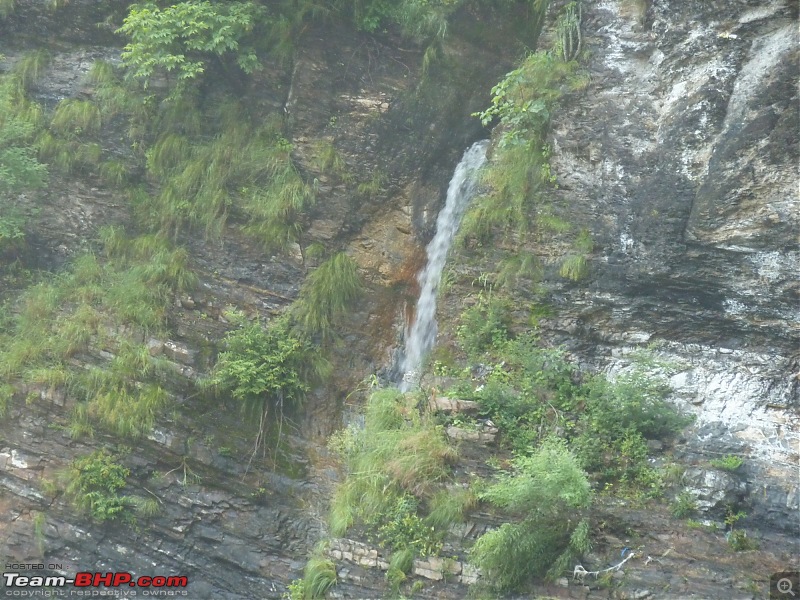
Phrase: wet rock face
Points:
(681, 157)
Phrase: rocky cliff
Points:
(681, 158)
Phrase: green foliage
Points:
(729, 462)
(685, 505)
(739, 542)
(550, 491)
(448, 506)
(618, 417)
(12, 232)
(94, 484)
(532, 392)
(19, 169)
(243, 168)
(296, 590)
(146, 507)
(326, 159)
(31, 67)
(75, 117)
(399, 527)
(523, 100)
(327, 295)
(373, 187)
(106, 304)
(485, 324)
(183, 37)
(737, 538)
(319, 576)
(568, 31)
(7, 8)
(264, 367)
(39, 522)
(6, 395)
(393, 464)
(518, 173)
(573, 267)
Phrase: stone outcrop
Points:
(680, 156)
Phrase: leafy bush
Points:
(485, 324)
(265, 367)
(182, 37)
(551, 493)
(729, 462)
(94, 483)
(400, 527)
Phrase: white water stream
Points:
(421, 335)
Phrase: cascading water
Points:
(421, 336)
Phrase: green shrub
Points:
(393, 465)
(618, 417)
(296, 590)
(94, 482)
(551, 493)
(19, 169)
(400, 527)
(685, 505)
(485, 324)
(739, 542)
(266, 367)
(729, 462)
(183, 37)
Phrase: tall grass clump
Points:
(31, 67)
(395, 464)
(327, 295)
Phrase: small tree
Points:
(551, 494)
(182, 37)
(266, 368)
(94, 484)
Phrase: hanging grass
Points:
(327, 295)
(399, 453)
(319, 576)
(105, 304)
(31, 67)
(74, 116)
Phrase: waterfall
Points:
(421, 335)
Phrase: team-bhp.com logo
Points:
(159, 585)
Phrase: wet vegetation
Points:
(200, 160)
(565, 437)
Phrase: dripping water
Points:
(421, 335)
